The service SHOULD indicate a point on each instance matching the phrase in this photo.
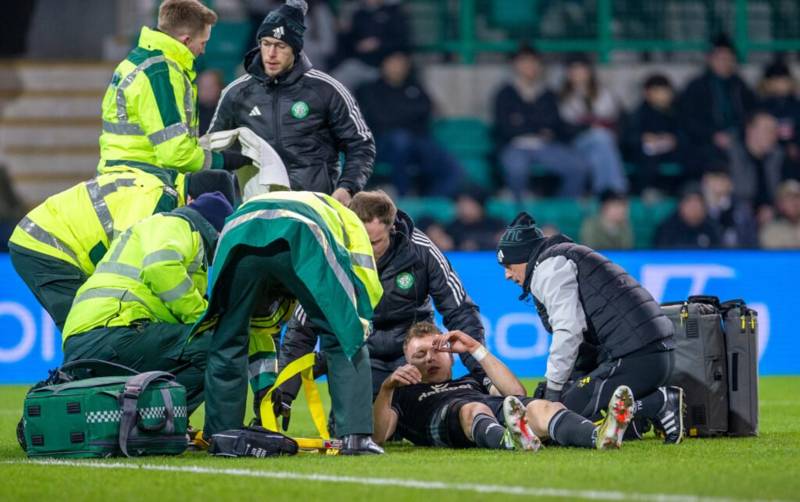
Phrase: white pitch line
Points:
(396, 482)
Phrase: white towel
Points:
(269, 173)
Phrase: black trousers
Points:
(644, 374)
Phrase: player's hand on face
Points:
(404, 375)
(454, 341)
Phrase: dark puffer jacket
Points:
(620, 316)
(307, 117)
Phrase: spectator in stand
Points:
(529, 130)
(653, 133)
(12, 208)
(209, 89)
(378, 28)
(784, 232)
(778, 90)
(610, 228)
(436, 233)
(758, 165)
(398, 110)
(689, 227)
(472, 230)
(734, 219)
(715, 105)
(592, 112)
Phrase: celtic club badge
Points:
(404, 280)
(300, 110)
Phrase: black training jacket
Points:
(307, 117)
(413, 271)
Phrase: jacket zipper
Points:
(276, 120)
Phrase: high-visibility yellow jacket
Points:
(156, 271)
(349, 293)
(150, 109)
(78, 224)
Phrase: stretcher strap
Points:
(303, 366)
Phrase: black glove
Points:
(282, 407)
(233, 160)
(538, 393)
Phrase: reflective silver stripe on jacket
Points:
(268, 365)
(188, 101)
(178, 291)
(363, 260)
(122, 105)
(161, 255)
(123, 128)
(97, 195)
(123, 241)
(330, 257)
(198, 260)
(31, 228)
(117, 268)
(168, 133)
(120, 294)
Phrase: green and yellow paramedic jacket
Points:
(150, 109)
(78, 224)
(331, 254)
(156, 271)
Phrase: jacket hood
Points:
(532, 261)
(253, 65)
(399, 255)
(207, 232)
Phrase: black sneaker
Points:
(359, 444)
(669, 421)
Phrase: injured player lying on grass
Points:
(424, 404)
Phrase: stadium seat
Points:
(226, 48)
(437, 208)
(463, 136)
(517, 16)
(645, 218)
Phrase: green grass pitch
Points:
(767, 467)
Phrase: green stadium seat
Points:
(438, 208)
(514, 15)
(645, 218)
(477, 171)
(226, 47)
(464, 137)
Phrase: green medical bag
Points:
(105, 416)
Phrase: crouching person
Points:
(423, 402)
(139, 306)
(278, 249)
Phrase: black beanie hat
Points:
(519, 239)
(286, 24)
(208, 181)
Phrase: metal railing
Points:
(468, 28)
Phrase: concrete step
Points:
(38, 176)
(16, 136)
(51, 106)
(55, 75)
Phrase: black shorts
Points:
(444, 428)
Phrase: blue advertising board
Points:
(769, 282)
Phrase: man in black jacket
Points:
(530, 131)
(412, 271)
(714, 106)
(607, 330)
(399, 110)
(308, 117)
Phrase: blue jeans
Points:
(599, 148)
(419, 158)
(556, 158)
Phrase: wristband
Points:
(480, 353)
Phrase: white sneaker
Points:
(620, 414)
(518, 435)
